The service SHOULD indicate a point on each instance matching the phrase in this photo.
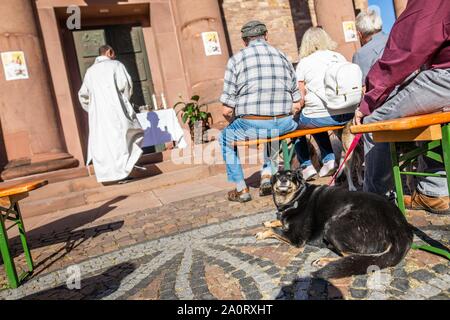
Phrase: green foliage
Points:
(192, 111)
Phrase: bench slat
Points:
(407, 123)
(14, 189)
(290, 135)
(430, 133)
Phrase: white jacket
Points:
(115, 134)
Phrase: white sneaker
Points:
(328, 169)
(309, 173)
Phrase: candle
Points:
(155, 104)
(164, 101)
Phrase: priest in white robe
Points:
(115, 134)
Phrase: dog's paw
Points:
(322, 262)
(260, 236)
(267, 224)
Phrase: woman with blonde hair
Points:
(316, 55)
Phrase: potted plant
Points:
(197, 119)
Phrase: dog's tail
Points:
(357, 264)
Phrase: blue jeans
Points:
(242, 129)
(322, 139)
(428, 92)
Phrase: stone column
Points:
(361, 5)
(204, 73)
(29, 122)
(312, 12)
(399, 6)
(330, 15)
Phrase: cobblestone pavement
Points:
(204, 248)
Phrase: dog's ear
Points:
(273, 179)
(299, 176)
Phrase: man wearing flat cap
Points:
(260, 96)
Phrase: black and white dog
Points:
(363, 228)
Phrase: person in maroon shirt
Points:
(412, 77)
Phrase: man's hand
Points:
(297, 107)
(228, 113)
(357, 119)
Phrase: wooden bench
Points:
(10, 195)
(287, 150)
(433, 128)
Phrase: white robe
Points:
(115, 134)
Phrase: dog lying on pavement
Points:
(363, 228)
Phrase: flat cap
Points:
(253, 29)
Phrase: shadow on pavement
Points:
(93, 288)
(66, 231)
(310, 289)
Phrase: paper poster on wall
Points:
(350, 33)
(211, 43)
(14, 65)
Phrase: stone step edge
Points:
(96, 195)
(57, 189)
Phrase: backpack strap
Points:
(334, 59)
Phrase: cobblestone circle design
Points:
(223, 261)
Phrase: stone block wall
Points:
(286, 21)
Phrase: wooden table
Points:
(10, 211)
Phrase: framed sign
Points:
(350, 33)
(211, 43)
(14, 65)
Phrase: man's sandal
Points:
(265, 189)
(239, 196)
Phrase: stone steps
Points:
(40, 202)
(81, 191)
(60, 188)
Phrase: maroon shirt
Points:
(420, 36)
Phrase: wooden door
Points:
(128, 43)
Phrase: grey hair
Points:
(369, 23)
(248, 39)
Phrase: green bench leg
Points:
(397, 178)
(8, 262)
(286, 155)
(446, 152)
(399, 187)
(23, 239)
(431, 249)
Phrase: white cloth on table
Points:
(114, 131)
(161, 126)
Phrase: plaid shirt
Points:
(260, 80)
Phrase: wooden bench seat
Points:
(287, 153)
(10, 195)
(290, 135)
(403, 123)
(417, 128)
(11, 189)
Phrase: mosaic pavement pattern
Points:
(224, 261)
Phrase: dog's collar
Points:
(293, 204)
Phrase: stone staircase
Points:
(78, 187)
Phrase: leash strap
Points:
(349, 152)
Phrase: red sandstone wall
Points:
(286, 20)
